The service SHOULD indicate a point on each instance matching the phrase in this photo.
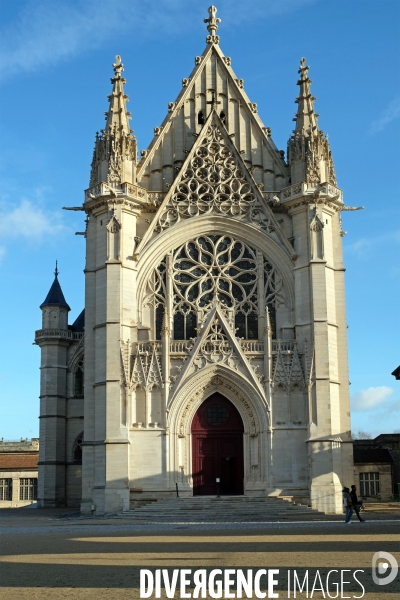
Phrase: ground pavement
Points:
(56, 554)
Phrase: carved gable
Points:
(216, 344)
(212, 78)
(215, 180)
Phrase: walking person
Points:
(356, 503)
(348, 504)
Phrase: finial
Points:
(213, 100)
(212, 26)
(56, 272)
(303, 69)
(118, 69)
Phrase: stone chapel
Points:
(213, 341)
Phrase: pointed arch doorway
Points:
(217, 448)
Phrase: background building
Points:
(18, 472)
(214, 340)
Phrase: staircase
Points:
(227, 509)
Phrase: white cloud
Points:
(370, 398)
(362, 246)
(389, 114)
(46, 32)
(28, 221)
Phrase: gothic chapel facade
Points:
(213, 340)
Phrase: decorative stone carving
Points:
(171, 106)
(213, 182)
(157, 130)
(142, 365)
(185, 82)
(116, 143)
(253, 106)
(240, 83)
(212, 26)
(197, 60)
(227, 60)
(287, 370)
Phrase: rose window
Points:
(213, 268)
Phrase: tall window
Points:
(5, 489)
(369, 484)
(78, 379)
(77, 449)
(209, 268)
(201, 118)
(28, 489)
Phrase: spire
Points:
(117, 116)
(55, 297)
(309, 153)
(306, 119)
(212, 26)
(115, 151)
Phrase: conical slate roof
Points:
(79, 324)
(55, 297)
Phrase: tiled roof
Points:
(371, 455)
(19, 461)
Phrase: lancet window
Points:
(78, 379)
(212, 268)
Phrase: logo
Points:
(380, 563)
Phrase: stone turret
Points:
(309, 154)
(54, 340)
(115, 151)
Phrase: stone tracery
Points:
(212, 268)
(212, 182)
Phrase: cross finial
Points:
(118, 69)
(56, 271)
(212, 26)
(303, 69)
(213, 100)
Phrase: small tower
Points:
(53, 342)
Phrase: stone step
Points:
(226, 509)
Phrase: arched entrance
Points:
(217, 448)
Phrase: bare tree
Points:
(362, 435)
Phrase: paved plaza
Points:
(55, 553)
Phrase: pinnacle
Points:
(306, 118)
(117, 117)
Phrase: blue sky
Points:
(55, 69)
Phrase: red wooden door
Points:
(217, 438)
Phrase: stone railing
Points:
(285, 346)
(143, 347)
(180, 346)
(252, 346)
(58, 333)
(184, 346)
(301, 189)
(129, 190)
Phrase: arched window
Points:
(201, 118)
(78, 379)
(77, 449)
(222, 116)
(215, 267)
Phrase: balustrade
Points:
(58, 333)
